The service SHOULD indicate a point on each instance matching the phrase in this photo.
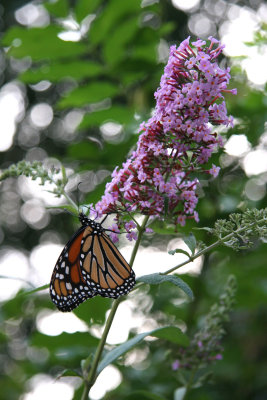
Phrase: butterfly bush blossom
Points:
(176, 142)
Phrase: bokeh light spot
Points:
(41, 115)
(44, 387)
(237, 145)
(53, 323)
(255, 162)
(185, 5)
(255, 189)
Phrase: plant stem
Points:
(207, 249)
(67, 197)
(189, 383)
(91, 376)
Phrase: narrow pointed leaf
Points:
(172, 252)
(156, 279)
(69, 372)
(191, 242)
(171, 333)
(180, 393)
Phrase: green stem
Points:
(141, 230)
(67, 197)
(91, 375)
(189, 383)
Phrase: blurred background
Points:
(77, 78)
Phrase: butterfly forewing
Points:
(89, 265)
(103, 267)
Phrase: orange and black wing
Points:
(103, 268)
(68, 288)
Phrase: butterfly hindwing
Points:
(68, 288)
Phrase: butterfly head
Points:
(83, 219)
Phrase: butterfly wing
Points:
(68, 288)
(103, 267)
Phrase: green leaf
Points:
(57, 71)
(172, 252)
(203, 379)
(156, 279)
(114, 12)
(90, 93)
(41, 44)
(173, 334)
(204, 228)
(145, 52)
(69, 372)
(119, 114)
(85, 7)
(180, 393)
(191, 242)
(114, 46)
(163, 228)
(64, 340)
(29, 292)
(166, 205)
(94, 157)
(93, 311)
(59, 8)
(144, 395)
(66, 207)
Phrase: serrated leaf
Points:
(172, 252)
(191, 242)
(156, 279)
(90, 93)
(180, 393)
(171, 333)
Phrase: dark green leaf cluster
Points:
(36, 170)
(241, 230)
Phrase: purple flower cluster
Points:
(177, 140)
(198, 354)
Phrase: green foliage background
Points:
(111, 74)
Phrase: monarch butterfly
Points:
(89, 265)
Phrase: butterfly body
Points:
(89, 265)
